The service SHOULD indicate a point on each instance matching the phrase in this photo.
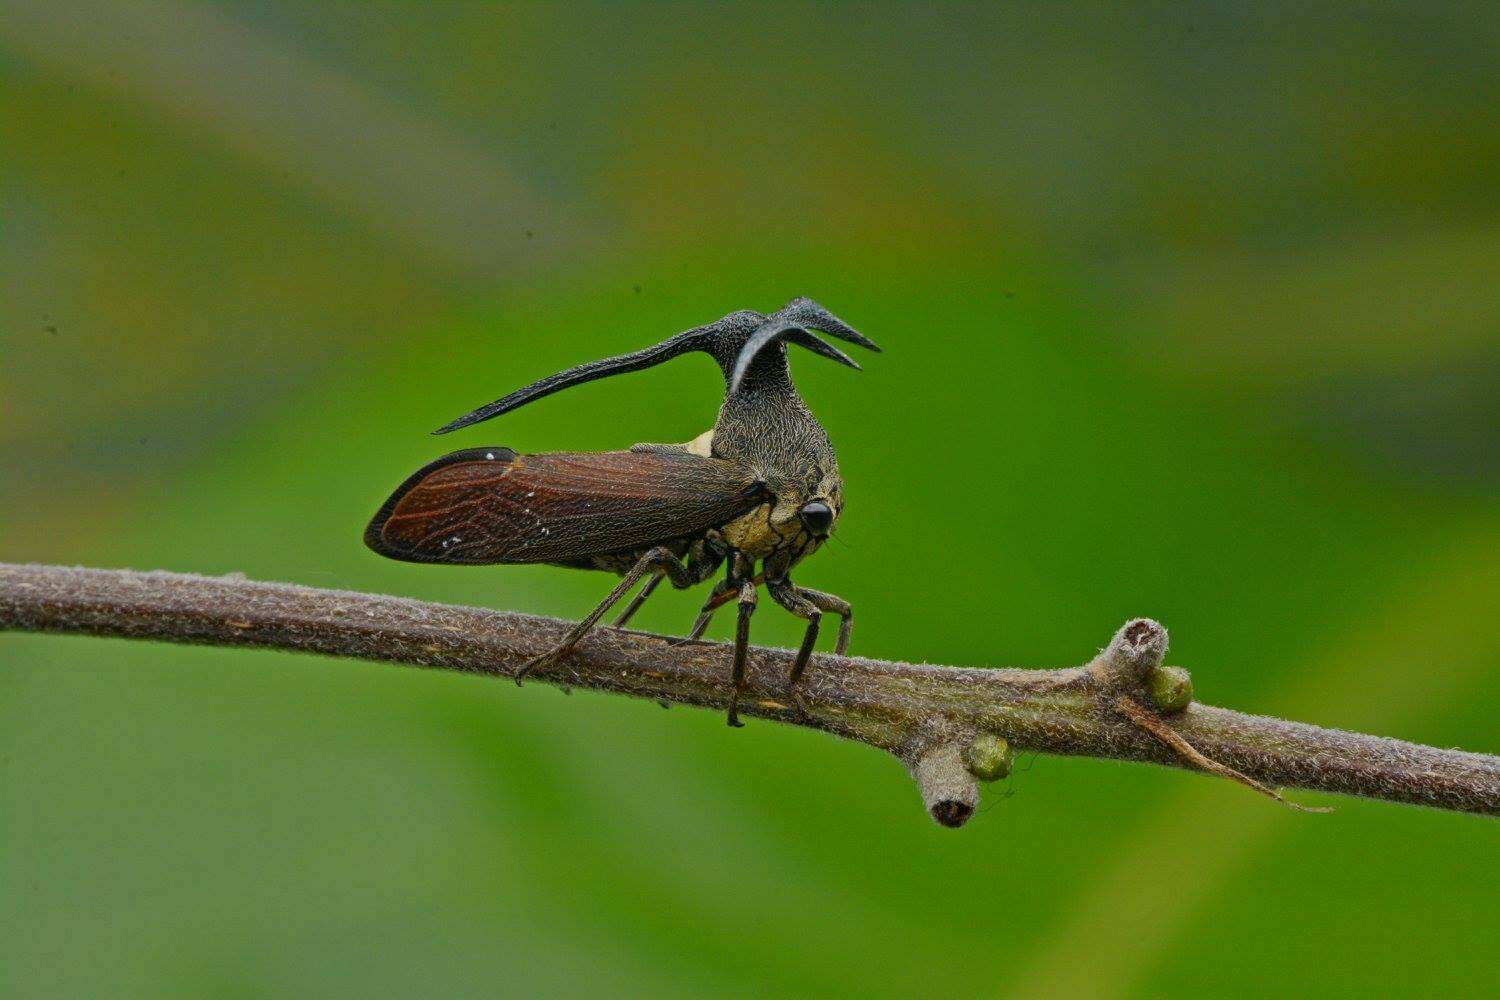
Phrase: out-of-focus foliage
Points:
(1190, 314)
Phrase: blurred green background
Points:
(1188, 311)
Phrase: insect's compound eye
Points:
(817, 517)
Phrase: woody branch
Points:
(951, 727)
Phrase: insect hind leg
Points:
(637, 601)
(703, 558)
(660, 559)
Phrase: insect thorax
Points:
(772, 433)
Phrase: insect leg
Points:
(834, 605)
(703, 558)
(637, 601)
(726, 590)
(793, 598)
(658, 558)
(741, 649)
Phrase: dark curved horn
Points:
(773, 332)
(806, 312)
(732, 341)
(691, 340)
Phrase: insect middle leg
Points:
(659, 559)
(726, 590)
(741, 650)
(739, 582)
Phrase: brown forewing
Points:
(490, 505)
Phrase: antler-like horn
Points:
(806, 312)
(732, 341)
(691, 340)
(774, 331)
(790, 323)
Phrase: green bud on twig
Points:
(1171, 688)
(988, 757)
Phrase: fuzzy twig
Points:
(949, 726)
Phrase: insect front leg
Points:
(659, 558)
(804, 604)
(833, 605)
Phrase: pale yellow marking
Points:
(752, 533)
(702, 445)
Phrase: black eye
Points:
(818, 517)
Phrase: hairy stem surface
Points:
(937, 720)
